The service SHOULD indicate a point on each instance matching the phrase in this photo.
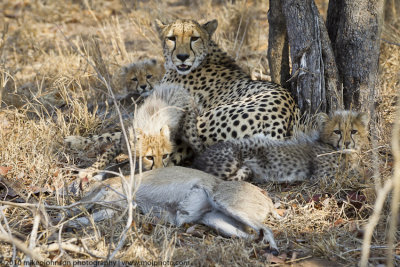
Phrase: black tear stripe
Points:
(351, 136)
(173, 50)
(341, 136)
(191, 48)
(152, 165)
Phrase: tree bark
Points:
(334, 90)
(354, 27)
(314, 79)
(278, 48)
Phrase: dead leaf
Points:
(338, 222)
(147, 228)
(357, 199)
(275, 259)
(4, 170)
(281, 212)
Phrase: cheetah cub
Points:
(168, 113)
(321, 154)
(139, 77)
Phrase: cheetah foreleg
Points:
(102, 162)
(190, 131)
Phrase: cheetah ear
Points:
(165, 131)
(321, 118)
(211, 26)
(124, 69)
(160, 26)
(139, 134)
(363, 117)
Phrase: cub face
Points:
(345, 130)
(185, 43)
(141, 76)
(155, 150)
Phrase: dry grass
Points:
(46, 88)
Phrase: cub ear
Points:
(363, 117)
(139, 134)
(210, 26)
(165, 131)
(160, 26)
(321, 118)
(125, 69)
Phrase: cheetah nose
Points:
(143, 86)
(182, 57)
(347, 144)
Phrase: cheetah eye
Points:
(149, 76)
(171, 38)
(337, 131)
(134, 79)
(194, 38)
(165, 156)
(354, 131)
(150, 158)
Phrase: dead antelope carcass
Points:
(182, 195)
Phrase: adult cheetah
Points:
(234, 106)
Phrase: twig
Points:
(68, 207)
(373, 221)
(130, 192)
(60, 244)
(382, 191)
(142, 242)
(359, 249)
(66, 246)
(32, 240)
(9, 232)
(390, 42)
(95, 254)
(396, 189)
(21, 246)
(106, 83)
(298, 259)
(344, 151)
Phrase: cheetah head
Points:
(344, 130)
(141, 76)
(185, 43)
(154, 149)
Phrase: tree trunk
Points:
(278, 48)
(314, 79)
(354, 27)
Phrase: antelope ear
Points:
(363, 117)
(160, 26)
(210, 26)
(165, 131)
